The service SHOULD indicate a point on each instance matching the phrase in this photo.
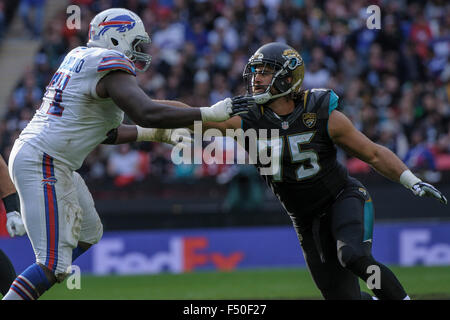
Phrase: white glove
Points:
(425, 189)
(420, 188)
(170, 136)
(14, 224)
(227, 108)
(218, 112)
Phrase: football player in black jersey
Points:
(332, 212)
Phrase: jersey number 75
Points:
(297, 155)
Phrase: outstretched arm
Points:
(232, 123)
(131, 133)
(124, 90)
(344, 134)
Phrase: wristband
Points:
(12, 202)
(408, 179)
(145, 134)
(153, 134)
(207, 114)
(217, 112)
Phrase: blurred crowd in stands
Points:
(393, 83)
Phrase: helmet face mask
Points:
(287, 67)
(265, 68)
(139, 56)
(121, 30)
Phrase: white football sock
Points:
(11, 295)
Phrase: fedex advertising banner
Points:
(177, 251)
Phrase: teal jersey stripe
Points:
(333, 104)
(368, 220)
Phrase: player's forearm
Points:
(387, 163)
(148, 113)
(167, 117)
(123, 134)
(178, 104)
(6, 186)
(222, 126)
(173, 103)
(126, 134)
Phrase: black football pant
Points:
(337, 249)
(7, 273)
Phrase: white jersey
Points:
(72, 119)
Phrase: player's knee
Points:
(347, 254)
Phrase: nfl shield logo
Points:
(285, 125)
(309, 119)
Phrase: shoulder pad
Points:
(114, 60)
(321, 101)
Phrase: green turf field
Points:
(420, 283)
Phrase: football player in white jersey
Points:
(86, 98)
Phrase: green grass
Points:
(420, 283)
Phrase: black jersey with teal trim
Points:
(310, 177)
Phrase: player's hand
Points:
(225, 109)
(14, 224)
(170, 136)
(181, 136)
(241, 104)
(425, 189)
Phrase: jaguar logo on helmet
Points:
(257, 56)
(294, 58)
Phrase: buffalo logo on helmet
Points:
(121, 23)
(309, 119)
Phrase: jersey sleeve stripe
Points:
(115, 62)
(117, 66)
(105, 59)
(333, 104)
